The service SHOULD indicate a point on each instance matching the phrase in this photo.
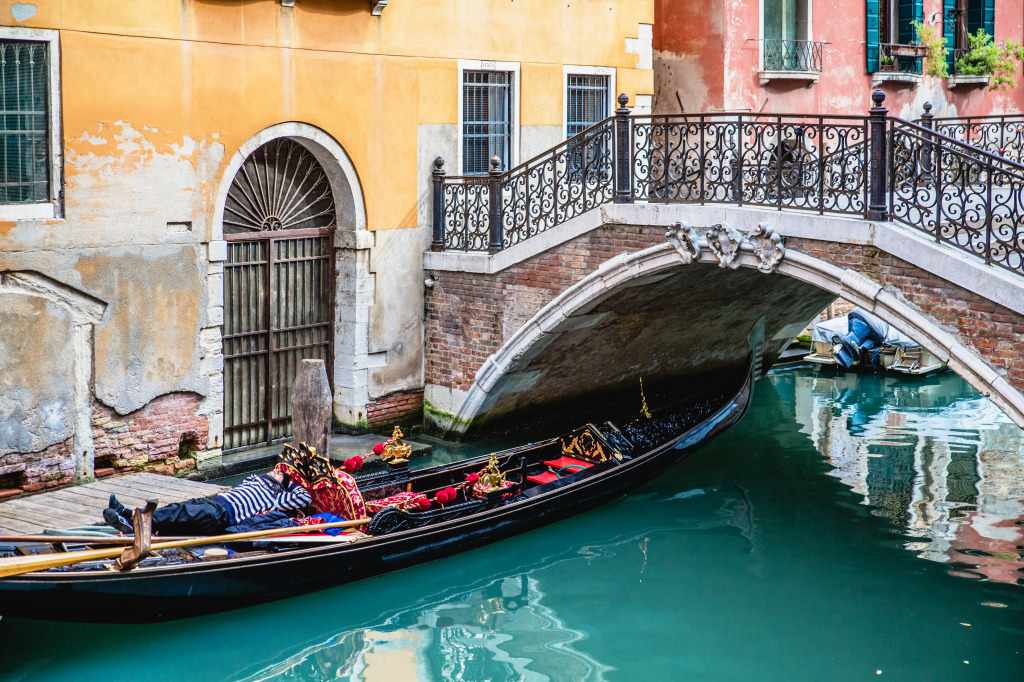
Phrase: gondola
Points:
(520, 489)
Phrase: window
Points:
(786, 37)
(963, 18)
(486, 120)
(586, 102)
(889, 24)
(30, 151)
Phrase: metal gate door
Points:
(278, 288)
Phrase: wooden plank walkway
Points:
(83, 505)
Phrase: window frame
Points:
(761, 29)
(51, 208)
(575, 70)
(512, 68)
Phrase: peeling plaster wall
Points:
(36, 374)
(156, 98)
(707, 54)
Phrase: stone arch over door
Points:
(32, 433)
(511, 373)
(352, 288)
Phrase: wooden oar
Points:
(119, 539)
(40, 562)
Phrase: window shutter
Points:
(982, 14)
(949, 31)
(872, 42)
(909, 10)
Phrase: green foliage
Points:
(885, 60)
(934, 43)
(988, 58)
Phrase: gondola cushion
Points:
(564, 462)
(543, 477)
(404, 500)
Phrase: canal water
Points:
(851, 527)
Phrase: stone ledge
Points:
(897, 77)
(808, 77)
(968, 79)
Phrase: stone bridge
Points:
(672, 248)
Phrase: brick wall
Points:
(995, 332)
(149, 438)
(466, 313)
(400, 407)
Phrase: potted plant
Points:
(934, 46)
(986, 57)
(886, 63)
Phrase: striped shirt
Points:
(262, 493)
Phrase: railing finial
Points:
(437, 176)
(495, 164)
(878, 96)
(878, 189)
(623, 100)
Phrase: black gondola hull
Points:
(168, 593)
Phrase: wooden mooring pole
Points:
(312, 407)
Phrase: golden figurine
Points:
(643, 401)
(492, 480)
(395, 451)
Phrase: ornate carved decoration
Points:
(684, 238)
(725, 243)
(396, 451)
(767, 247)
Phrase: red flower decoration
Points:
(445, 495)
(423, 503)
(378, 448)
(353, 463)
(473, 477)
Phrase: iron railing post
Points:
(623, 172)
(495, 242)
(877, 122)
(437, 176)
(927, 121)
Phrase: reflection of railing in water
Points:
(876, 167)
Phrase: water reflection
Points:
(500, 627)
(938, 460)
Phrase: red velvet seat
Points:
(563, 466)
(543, 477)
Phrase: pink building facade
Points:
(809, 56)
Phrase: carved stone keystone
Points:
(684, 238)
(725, 243)
(767, 247)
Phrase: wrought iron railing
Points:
(873, 166)
(899, 58)
(792, 55)
(549, 189)
(1000, 135)
(957, 193)
(803, 162)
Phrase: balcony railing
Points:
(792, 55)
(898, 58)
(875, 166)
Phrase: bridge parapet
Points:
(873, 167)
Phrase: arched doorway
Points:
(279, 224)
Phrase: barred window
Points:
(586, 102)
(486, 119)
(24, 122)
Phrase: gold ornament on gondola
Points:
(395, 451)
(492, 480)
(643, 401)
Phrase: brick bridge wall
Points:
(469, 315)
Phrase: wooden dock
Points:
(83, 505)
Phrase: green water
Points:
(850, 528)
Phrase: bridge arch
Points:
(509, 369)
